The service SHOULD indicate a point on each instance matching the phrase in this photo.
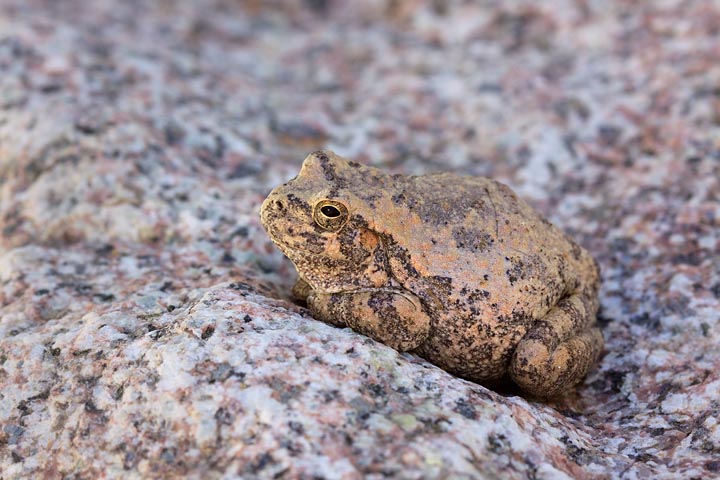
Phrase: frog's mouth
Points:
(292, 250)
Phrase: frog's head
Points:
(321, 220)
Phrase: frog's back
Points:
(479, 245)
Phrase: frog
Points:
(456, 269)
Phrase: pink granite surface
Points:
(145, 326)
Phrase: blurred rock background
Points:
(145, 322)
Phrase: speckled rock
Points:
(146, 327)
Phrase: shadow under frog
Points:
(456, 269)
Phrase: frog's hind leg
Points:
(558, 350)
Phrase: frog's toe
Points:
(558, 351)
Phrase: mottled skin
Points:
(457, 269)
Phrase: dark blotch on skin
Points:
(516, 271)
(320, 155)
(473, 240)
(354, 251)
(383, 305)
(297, 204)
(402, 255)
(327, 167)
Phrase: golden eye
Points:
(330, 211)
(330, 215)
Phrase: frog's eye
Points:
(330, 215)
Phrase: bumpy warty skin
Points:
(455, 268)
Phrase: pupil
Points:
(330, 211)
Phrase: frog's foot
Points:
(395, 318)
(301, 290)
(559, 349)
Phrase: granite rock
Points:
(146, 328)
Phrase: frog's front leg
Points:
(393, 317)
(558, 350)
